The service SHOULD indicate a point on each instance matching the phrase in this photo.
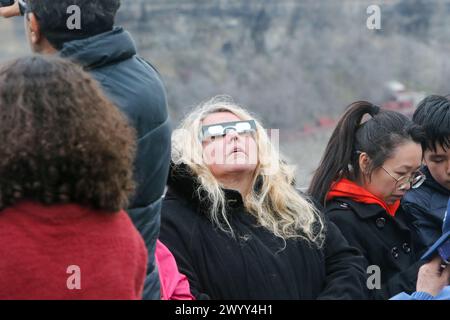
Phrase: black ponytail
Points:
(377, 137)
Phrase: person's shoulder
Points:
(349, 214)
(178, 209)
(121, 233)
(139, 92)
(134, 71)
(420, 197)
(339, 207)
(135, 65)
(148, 66)
(119, 223)
(180, 221)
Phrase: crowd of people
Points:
(92, 176)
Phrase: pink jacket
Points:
(174, 285)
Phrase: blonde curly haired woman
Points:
(235, 223)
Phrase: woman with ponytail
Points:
(373, 157)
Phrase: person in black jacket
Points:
(366, 169)
(425, 206)
(237, 226)
(108, 53)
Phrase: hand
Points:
(431, 279)
(10, 11)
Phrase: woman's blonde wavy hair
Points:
(276, 204)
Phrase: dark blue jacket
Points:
(425, 208)
(136, 88)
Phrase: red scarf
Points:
(345, 188)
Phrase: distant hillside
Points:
(289, 61)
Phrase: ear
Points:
(34, 28)
(364, 163)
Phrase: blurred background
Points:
(296, 64)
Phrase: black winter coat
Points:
(385, 241)
(136, 88)
(253, 265)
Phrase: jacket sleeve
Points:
(345, 273)
(176, 233)
(414, 296)
(151, 170)
(142, 98)
(174, 285)
(402, 281)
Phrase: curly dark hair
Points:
(63, 141)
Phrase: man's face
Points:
(439, 165)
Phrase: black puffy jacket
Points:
(136, 88)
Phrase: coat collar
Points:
(185, 184)
(100, 50)
(368, 211)
(363, 210)
(433, 184)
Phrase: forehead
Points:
(440, 151)
(219, 117)
(406, 156)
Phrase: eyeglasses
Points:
(403, 183)
(221, 129)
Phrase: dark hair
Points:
(61, 139)
(97, 16)
(378, 137)
(433, 114)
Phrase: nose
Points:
(406, 188)
(232, 135)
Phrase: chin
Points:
(240, 168)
